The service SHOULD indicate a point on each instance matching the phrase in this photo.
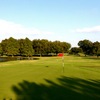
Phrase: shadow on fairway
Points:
(68, 89)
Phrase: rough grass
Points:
(44, 79)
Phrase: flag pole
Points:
(63, 63)
(62, 55)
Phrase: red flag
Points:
(60, 55)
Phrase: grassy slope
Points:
(14, 72)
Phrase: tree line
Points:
(87, 47)
(26, 47)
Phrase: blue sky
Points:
(64, 20)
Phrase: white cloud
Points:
(95, 29)
(8, 29)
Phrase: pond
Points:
(4, 59)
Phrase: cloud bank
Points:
(95, 29)
(8, 29)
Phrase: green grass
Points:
(44, 79)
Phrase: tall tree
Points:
(10, 46)
(1, 51)
(41, 46)
(4, 46)
(36, 43)
(26, 48)
(75, 50)
(56, 47)
(65, 46)
(45, 46)
(96, 48)
(86, 46)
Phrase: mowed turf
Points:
(45, 79)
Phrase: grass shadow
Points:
(67, 89)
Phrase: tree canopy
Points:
(86, 46)
(96, 48)
(90, 48)
(76, 50)
(26, 47)
(10, 46)
(1, 49)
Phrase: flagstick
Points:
(63, 63)
(61, 55)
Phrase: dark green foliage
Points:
(56, 47)
(90, 48)
(96, 48)
(1, 51)
(25, 47)
(75, 50)
(59, 47)
(10, 46)
(86, 46)
(37, 46)
(65, 46)
(45, 47)
(4, 45)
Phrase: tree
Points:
(65, 46)
(96, 48)
(41, 46)
(75, 50)
(59, 47)
(36, 44)
(4, 46)
(86, 46)
(10, 46)
(1, 49)
(26, 48)
(56, 47)
(45, 47)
